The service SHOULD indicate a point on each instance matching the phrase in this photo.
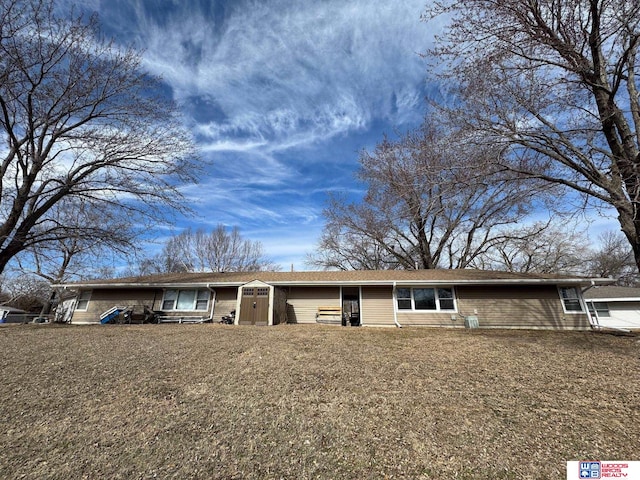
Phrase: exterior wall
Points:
(225, 302)
(495, 307)
(430, 319)
(103, 300)
(304, 302)
(518, 307)
(376, 307)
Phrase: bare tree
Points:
(83, 125)
(554, 83)
(540, 247)
(91, 237)
(27, 292)
(217, 251)
(431, 202)
(613, 259)
(345, 249)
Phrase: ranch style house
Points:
(443, 298)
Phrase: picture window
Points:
(186, 300)
(425, 299)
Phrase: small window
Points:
(83, 300)
(185, 300)
(571, 299)
(202, 301)
(403, 296)
(599, 309)
(445, 297)
(169, 299)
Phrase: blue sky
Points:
(281, 96)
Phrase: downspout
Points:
(592, 324)
(213, 304)
(395, 305)
(73, 306)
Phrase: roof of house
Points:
(355, 277)
(612, 293)
(7, 308)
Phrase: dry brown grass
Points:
(299, 402)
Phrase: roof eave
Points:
(76, 286)
(501, 281)
(331, 283)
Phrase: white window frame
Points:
(582, 310)
(83, 297)
(413, 309)
(196, 299)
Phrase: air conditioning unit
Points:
(471, 321)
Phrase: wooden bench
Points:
(331, 315)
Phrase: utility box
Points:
(471, 321)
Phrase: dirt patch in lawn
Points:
(302, 402)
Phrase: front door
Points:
(351, 306)
(254, 306)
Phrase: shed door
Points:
(254, 306)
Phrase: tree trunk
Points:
(7, 253)
(631, 230)
(46, 308)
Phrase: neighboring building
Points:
(448, 298)
(614, 307)
(13, 315)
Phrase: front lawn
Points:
(307, 401)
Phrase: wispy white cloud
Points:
(275, 69)
(280, 96)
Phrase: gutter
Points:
(589, 287)
(327, 283)
(395, 309)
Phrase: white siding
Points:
(622, 315)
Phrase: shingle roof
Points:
(612, 292)
(381, 277)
